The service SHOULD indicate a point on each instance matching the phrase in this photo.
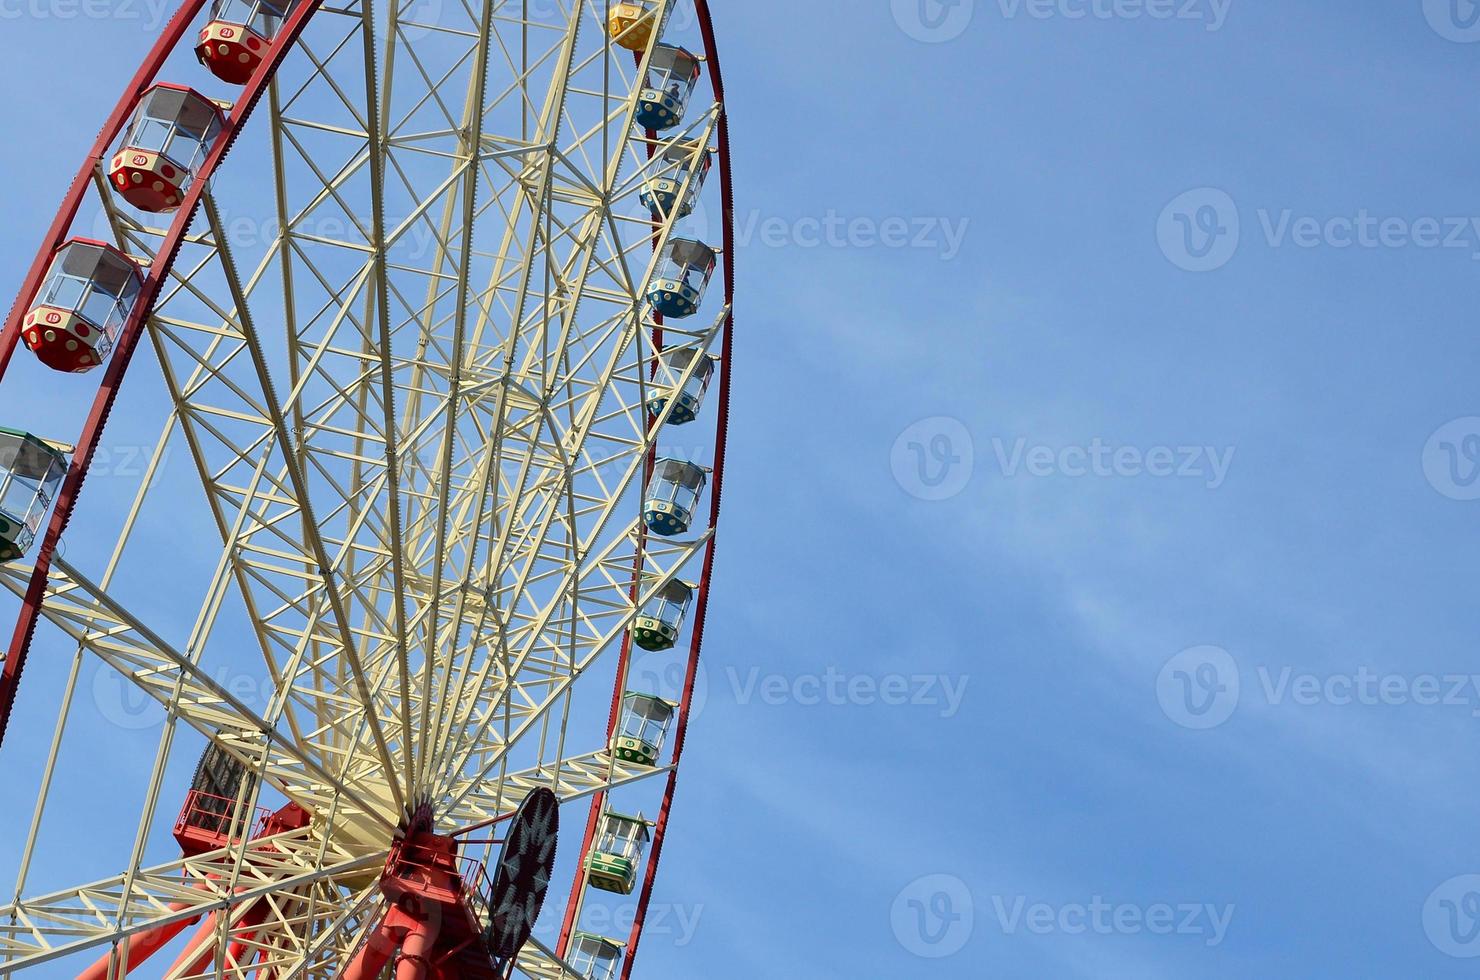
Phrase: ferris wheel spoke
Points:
(317, 553)
(478, 753)
(592, 612)
(472, 137)
(105, 629)
(292, 584)
(573, 778)
(61, 923)
(336, 930)
(563, 471)
(502, 424)
(602, 609)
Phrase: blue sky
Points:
(1177, 587)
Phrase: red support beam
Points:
(140, 948)
(413, 937)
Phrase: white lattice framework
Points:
(417, 414)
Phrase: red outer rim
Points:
(113, 374)
(727, 206)
(727, 203)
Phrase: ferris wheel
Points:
(421, 300)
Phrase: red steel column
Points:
(140, 948)
(416, 951)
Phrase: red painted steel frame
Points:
(113, 373)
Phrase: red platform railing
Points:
(208, 822)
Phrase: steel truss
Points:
(418, 418)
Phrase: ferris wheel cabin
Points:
(673, 496)
(675, 383)
(30, 472)
(87, 296)
(683, 275)
(239, 36)
(620, 845)
(631, 24)
(672, 74)
(643, 729)
(172, 131)
(682, 162)
(658, 624)
(595, 957)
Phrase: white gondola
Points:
(643, 729)
(30, 472)
(595, 957)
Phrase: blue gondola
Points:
(665, 191)
(671, 76)
(673, 495)
(678, 287)
(670, 385)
